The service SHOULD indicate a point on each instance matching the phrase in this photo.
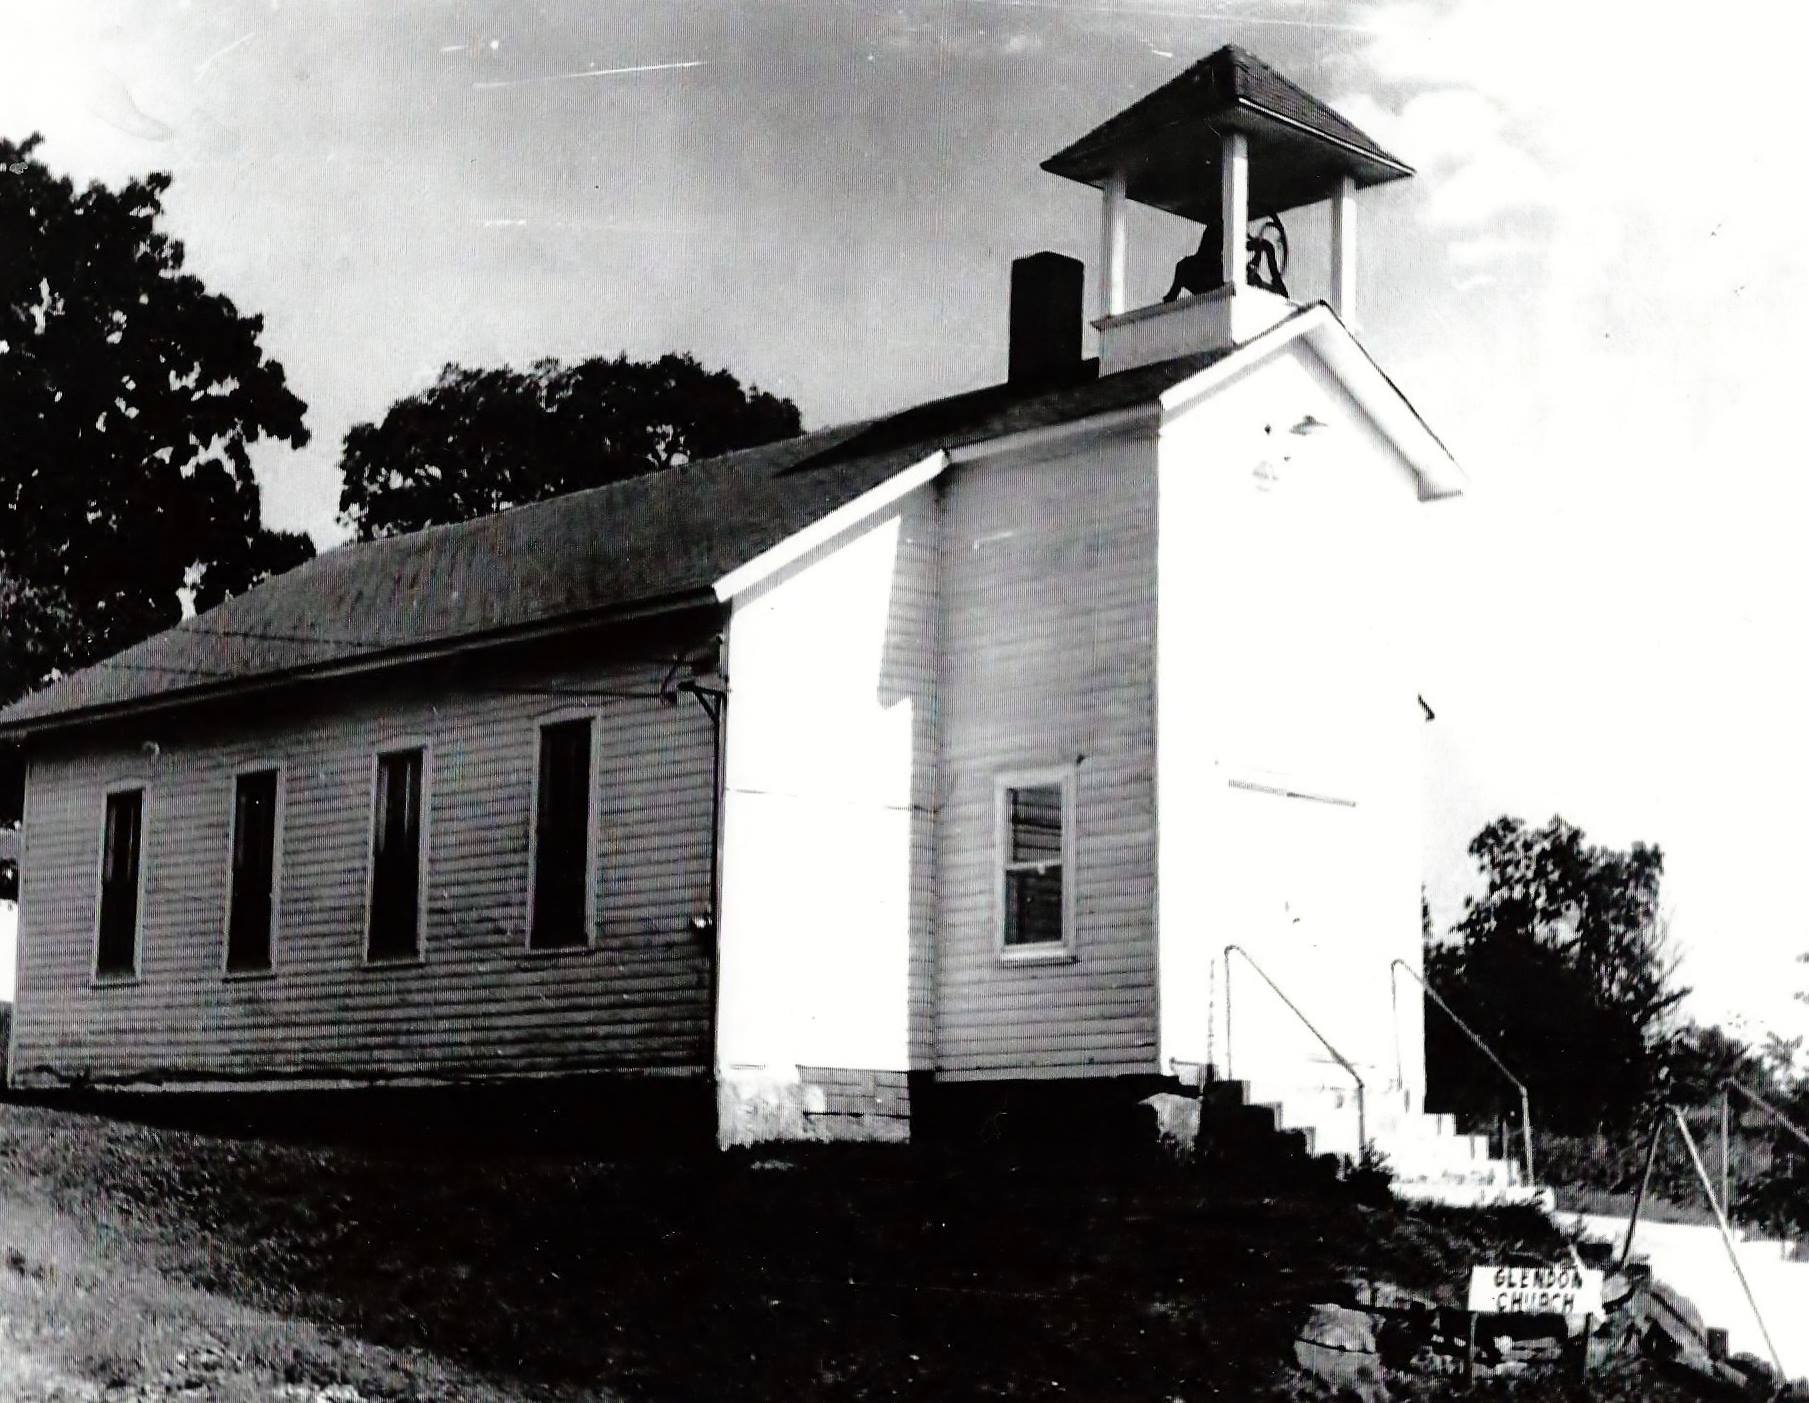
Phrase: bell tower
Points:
(1231, 145)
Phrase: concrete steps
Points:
(1430, 1160)
(1250, 1139)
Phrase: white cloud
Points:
(1479, 250)
(1472, 167)
(1447, 125)
(1497, 179)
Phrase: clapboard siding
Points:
(478, 1003)
(828, 807)
(1047, 638)
(1305, 685)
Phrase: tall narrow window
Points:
(562, 838)
(251, 902)
(1034, 835)
(122, 833)
(395, 928)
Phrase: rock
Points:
(1756, 1371)
(1385, 1295)
(1675, 1316)
(1177, 1122)
(1431, 1361)
(1536, 1351)
(1338, 1346)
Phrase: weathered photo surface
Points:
(999, 698)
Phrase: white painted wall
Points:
(1047, 652)
(1285, 669)
(9, 949)
(826, 808)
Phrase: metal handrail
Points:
(1526, 1112)
(1293, 1008)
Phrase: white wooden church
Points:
(1064, 730)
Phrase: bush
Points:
(1371, 1178)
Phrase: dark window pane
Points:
(253, 871)
(1033, 905)
(562, 836)
(1036, 824)
(396, 858)
(117, 951)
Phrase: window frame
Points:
(255, 767)
(593, 832)
(399, 745)
(97, 977)
(1064, 778)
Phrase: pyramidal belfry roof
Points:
(1299, 147)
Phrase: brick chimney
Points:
(1047, 298)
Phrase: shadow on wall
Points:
(9, 948)
(907, 673)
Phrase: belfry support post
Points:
(1234, 206)
(1113, 246)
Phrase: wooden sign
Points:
(1556, 1290)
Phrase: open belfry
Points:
(1231, 145)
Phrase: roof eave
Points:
(31, 727)
(876, 499)
(1436, 472)
(1093, 157)
(826, 528)
(1372, 154)
(1439, 473)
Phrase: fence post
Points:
(1394, 1012)
(1526, 1130)
(1645, 1180)
(1229, 1074)
(1727, 1205)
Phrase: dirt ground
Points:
(143, 1263)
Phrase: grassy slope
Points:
(83, 1315)
(847, 1273)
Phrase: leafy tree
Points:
(1563, 964)
(1780, 1057)
(130, 396)
(477, 441)
(1702, 1058)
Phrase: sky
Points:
(1589, 290)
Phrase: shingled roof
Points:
(1298, 146)
(653, 541)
